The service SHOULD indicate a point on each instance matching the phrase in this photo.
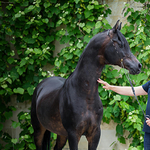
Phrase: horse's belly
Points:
(51, 120)
(56, 127)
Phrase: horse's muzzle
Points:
(135, 70)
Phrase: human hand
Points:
(148, 121)
(106, 85)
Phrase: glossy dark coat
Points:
(72, 107)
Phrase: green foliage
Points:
(28, 30)
(25, 141)
(81, 24)
(125, 110)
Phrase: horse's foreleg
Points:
(73, 140)
(93, 139)
(60, 142)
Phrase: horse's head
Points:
(117, 50)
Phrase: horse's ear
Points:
(119, 27)
(116, 26)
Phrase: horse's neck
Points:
(86, 75)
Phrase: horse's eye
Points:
(120, 45)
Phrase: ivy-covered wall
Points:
(28, 29)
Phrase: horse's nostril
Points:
(140, 65)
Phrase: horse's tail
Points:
(37, 126)
(46, 140)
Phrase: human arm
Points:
(123, 90)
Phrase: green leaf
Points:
(1, 127)
(58, 23)
(9, 80)
(76, 1)
(18, 90)
(30, 90)
(122, 140)
(29, 40)
(117, 97)
(4, 86)
(98, 24)
(23, 62)
(68, 56)
(10, 60)
(89, 7)
(14, 75)
(17, 15)
(64, 39)
(25, 3)
(37, 51)
(129, 19)
(30, 8)
(14, 141)
(32, 146)
(31, 130)
(45, 20)
(50, 38)
(137, 126)
(90, 24)
(53, 1)
(87, 38)
(135, 14)
(108, 112)
(8, 114)
(80, 45)
(31, 61)
(78, 52)
(46, 4)
(81, 25)
(22, 117)
(112, 102)
(87, 13)
(21, 70)
(147, 42)
(15, 124)
(119, 129)
(57, 62)
(124, 105)
(64, 69)
(91, 18)
(138, 21)
(88, 30)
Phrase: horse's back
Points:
(47, 86)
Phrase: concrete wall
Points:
(108, 139)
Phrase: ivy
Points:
(28, 30)
(126, 111)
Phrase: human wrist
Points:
(110, 87)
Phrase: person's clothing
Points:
(146, 87)
(147, 141)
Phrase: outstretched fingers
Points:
(106, 85)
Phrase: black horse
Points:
(72, 107)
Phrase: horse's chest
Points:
(90, 120)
